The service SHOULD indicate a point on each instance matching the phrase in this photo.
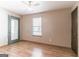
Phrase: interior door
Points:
(13, 29)
(75, 31)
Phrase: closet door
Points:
(13, 29)
(75, 31)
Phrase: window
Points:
(37, 26)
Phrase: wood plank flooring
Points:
(30, 49)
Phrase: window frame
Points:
(37, 26)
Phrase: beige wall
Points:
(56, 27)
(78, 28)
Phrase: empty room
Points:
(39, 28)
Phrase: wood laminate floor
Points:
(30, 49)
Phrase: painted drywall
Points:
(78, 27)
(56, 27)
(4, 26)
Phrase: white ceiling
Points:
(22, 9)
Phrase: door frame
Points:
(72, 30)
(9, 29)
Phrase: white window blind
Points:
(37, 22)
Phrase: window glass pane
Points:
(37, 33)
(37, 22)
(36, 29)
(14, 29)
